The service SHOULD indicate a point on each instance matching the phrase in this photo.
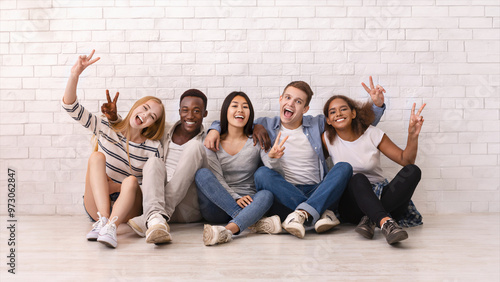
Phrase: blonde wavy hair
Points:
(153, 132)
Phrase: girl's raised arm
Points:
(409, 154)
(81, 64)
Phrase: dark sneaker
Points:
(393, 232)
(366, 227)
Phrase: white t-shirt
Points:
(174, 155)
(362, 154)
(300, 163)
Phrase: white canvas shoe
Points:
(269, 225)
(107, 235)
(326, 222)
(158, 230)
(96, 227)
(213, 235)
(294, 223)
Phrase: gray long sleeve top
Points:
(235, 173)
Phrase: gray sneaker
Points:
(366, 227)
(393, 232)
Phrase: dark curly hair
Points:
(364, 116)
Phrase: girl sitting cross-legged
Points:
(114, 171)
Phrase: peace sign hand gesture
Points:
(277, 150)
(109, 108)
(376, 93)
(83, 62)
(416, 121)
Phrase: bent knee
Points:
(97, 157)
(130, 182)
(413, 170)
(201, 175)
(266, 195)
(344, 167)
(261, 172)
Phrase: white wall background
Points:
(444, 53)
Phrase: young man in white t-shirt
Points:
(308, 190)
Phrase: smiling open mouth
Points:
(140, 119)
(288, 113)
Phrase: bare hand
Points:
(277, 150)
(260, 135)
(83, 62)
(109, 108)
(212, 140)
(376, 93)
(416, 121)
(244, 201)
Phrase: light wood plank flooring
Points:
(445, 248)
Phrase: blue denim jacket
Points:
(313, 127)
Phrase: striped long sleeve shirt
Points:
(114, 145)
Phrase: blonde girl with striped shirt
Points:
(114, 170)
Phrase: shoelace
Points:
(390, 226)
(303, 214)
(98, 224)
(111, 227)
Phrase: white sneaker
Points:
(294, 223)
(270, 225)
(326, 222)
(213, 235)
(158, 231)
(96, 227)
(138, 224)
(107, 235)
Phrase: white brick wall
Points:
(444, 53)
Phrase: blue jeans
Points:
(314, 199)
(217, 205)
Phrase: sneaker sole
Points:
(108, 244)
(363, 232)
(136, 228)
(295, 231)
(323, 227)
(158, 236)
(208, 235)
(276, 223)
(400, 236)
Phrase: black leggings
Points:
(359, 199)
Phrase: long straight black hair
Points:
(248, 129)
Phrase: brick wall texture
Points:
(440, 52)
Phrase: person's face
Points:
(145, 115)
(191, 112)
(238, 112)
(340, 115)
(292, 107)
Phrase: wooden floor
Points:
(445, 248)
